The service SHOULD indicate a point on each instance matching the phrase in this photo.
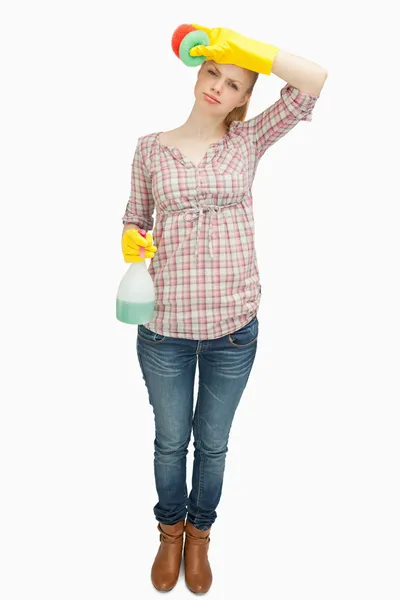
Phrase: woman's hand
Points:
(229, 47)
(137, 248)
(219, 49)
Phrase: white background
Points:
(310, 506)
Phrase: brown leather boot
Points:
(198, 575)
(167, 563)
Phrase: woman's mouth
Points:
(210, 99)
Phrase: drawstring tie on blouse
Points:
(195, 213)
(190, 214)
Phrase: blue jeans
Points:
(169, 365)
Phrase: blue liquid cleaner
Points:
(134, 313)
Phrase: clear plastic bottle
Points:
(136, 294)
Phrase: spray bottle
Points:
(136, 294)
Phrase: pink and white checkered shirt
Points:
(205, 272)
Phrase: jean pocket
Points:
(147, 335)
(246, 336)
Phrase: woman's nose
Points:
(217, 87)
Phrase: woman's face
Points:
(227, 83)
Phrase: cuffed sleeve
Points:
(140, 207)
(275, 122)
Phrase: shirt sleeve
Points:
(140, 207)
(276, 121)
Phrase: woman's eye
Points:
(214, 73)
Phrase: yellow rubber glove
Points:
(229, 47)
(132, 242)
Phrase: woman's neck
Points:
(201, 128)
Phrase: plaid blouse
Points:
(205, 271)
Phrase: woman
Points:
(199, 177)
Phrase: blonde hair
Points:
(239, 113)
